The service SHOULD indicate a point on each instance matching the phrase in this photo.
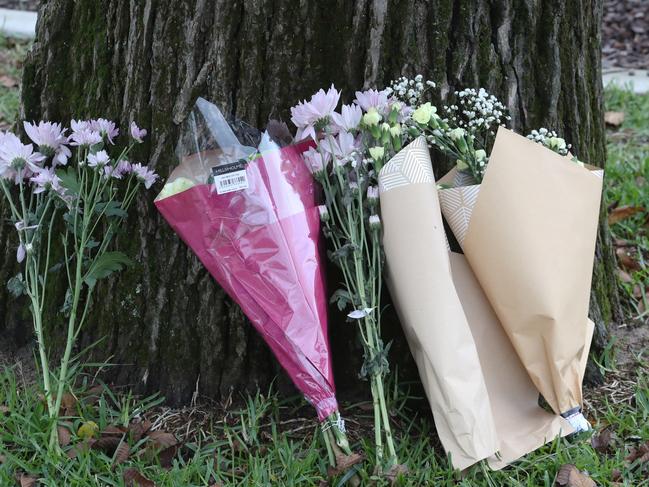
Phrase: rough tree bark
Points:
(165, 320)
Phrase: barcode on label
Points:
(233, 181)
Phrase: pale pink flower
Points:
(50, 139)
(106, 128)
(122, 168)
(348, 118)
(18, 160)
(315, 161)
(372, 99)
(324, 213)
(404, 110)
(144, 175)
(307, 115)
(98, 159)
(79, 125)
(343, 146)
(45, 180)
(85, 137)
(137, 133)
(21, 252)
(375, 222)
(372, 193)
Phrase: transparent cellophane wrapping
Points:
(208, 140)
(261, 243)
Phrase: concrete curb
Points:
(635, 79)
(18, 23)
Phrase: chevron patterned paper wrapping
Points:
(458, 201)
(431, 314)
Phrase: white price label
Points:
(234, 181)
(230, 177)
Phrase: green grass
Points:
(627, 184)
(12, 53)
(254, 446)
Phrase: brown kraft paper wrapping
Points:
(419, 277)
(431, 314)
(530, 240)
(522, 425)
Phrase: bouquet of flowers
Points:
(350, 147)
(528, 231)
(250, 215)
(484, 404)
(447, 316)
(74, 186)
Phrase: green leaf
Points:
(104, 265)
(342, 298)
(69, 180)
(112, 208)
(16, 285)
(67, 303)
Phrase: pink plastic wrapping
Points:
(261, 244)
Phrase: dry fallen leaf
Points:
(64, 434)
(639, 454)
(602, 441)
(4, 410)
(344, 463)
(166, 456)
(107, 444)
(395, 472)
(112, 430)
(161, 439)
(26, 480)
(8, 81)
(626, 260)
(570, 476)
(139, 429)
(614, 119)
(622, 213)
(133, 478)
(121, 453)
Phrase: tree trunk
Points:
(166, 322)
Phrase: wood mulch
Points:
(625, 34)
(20, 4)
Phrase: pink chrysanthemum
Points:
(98, 159)
(137, 133)
(46, 180)
(315, 161)
(18, 160)
(145, 175)
(307, 115)
(348, 118)
(50, 139)
(343, 146)
(372, 99)
(106, 128)
(85, 137)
